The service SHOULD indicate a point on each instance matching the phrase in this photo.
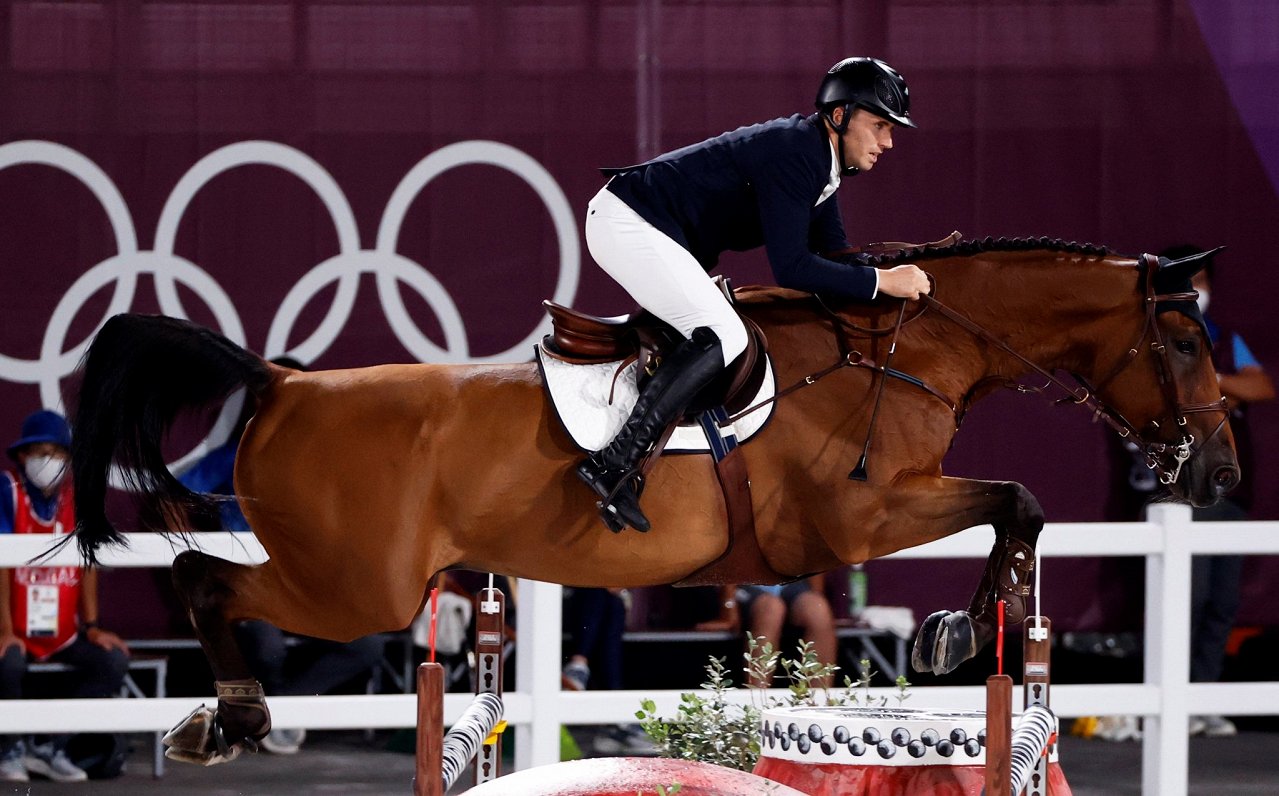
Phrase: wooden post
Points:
(1036, 680)
(429, 778)
(490, 637)
(999, 732)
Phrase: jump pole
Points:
(1037, 643)
(999, 719)
(429, 779)
(1018, 763)
(478, 732)
(999, 732)
(490, 638)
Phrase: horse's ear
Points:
(1182, 269)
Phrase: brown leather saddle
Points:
(583, 339)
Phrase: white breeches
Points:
(660, 274)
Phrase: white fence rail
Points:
(1166, 699)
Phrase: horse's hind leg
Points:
(206, 586)
(947, 639)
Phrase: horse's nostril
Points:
(1225, 479)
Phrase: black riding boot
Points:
(678, 379)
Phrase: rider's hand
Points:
(904, 281)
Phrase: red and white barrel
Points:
(854, 751)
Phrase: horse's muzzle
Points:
(1204, 483)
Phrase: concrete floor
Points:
(345, 763)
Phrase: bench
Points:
(400, 670)
(157, 664)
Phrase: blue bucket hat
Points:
(42, 426)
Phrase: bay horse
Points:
(363, 484)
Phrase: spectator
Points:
(328, 664)
(48, 613)
(1214, 579)
(595, 620)
(801, 604)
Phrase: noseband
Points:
(1166, 459)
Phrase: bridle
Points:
(1166, 459)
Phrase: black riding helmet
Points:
(863, 83)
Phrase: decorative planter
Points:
(880, 752)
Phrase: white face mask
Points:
(46, 472)
(1202, 301)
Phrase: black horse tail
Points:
(140, 373)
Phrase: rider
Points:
(658, 227)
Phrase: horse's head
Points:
(1163, 391)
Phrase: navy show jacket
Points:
(752, 186)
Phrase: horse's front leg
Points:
(939, 507)
(207, 588)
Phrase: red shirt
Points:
(43, 601)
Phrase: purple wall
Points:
(1133, 124)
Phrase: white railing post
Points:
(539, 627)
(1165, 745)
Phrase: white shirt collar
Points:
(834, 176)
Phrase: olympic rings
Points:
(56, 361)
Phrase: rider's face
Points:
(867, 138)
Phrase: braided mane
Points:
(761, 294)
(971, 247)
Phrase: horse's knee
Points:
(1024, 508)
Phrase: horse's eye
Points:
(1186, 346)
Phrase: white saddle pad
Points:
(581, 393)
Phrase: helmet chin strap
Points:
(845, 170)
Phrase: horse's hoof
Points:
(921, 654)
(944, 641)
(198, 739)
